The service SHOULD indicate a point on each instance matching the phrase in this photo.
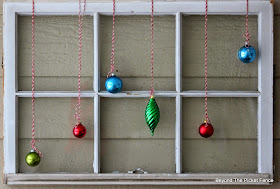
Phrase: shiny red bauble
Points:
(206, 131)
(79, 130)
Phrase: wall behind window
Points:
(276, 109)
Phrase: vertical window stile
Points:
(96, 81)
(178, 74)
(265, 87)
(96, 74)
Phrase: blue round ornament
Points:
(113, 84)
(247, 54)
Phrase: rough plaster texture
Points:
(232, 149)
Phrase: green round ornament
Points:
(152, 114)
(32, 159)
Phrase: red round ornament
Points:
(79, 130)
(206, 131)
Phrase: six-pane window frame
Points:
(264, 11)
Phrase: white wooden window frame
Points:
(262, 8)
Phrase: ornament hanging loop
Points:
(34, 149)
(207, 120)
(247, 45)
(110, 74)
(247, 36)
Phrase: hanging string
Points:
(152, 50)
(33, 141)
(81, 19)
(247, 35)
(207, 120)
(113, 42)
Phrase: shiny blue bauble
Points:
(113, 84)
(247, 54)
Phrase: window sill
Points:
(133, 179)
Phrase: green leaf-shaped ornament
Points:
(152, 114)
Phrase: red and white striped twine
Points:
(152, 50)
(81, 19)
(207, 120)
(33, 141)
(247, 35)
(113, 42)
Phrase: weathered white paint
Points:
(96, 155)
(10, 99)
(178, 54)
(54, 94)
(96, 76)
(178, 79)
(138, 94)
(109, 1)
(262, 9)
(220, 94)
(127, 179)
(178, 135)
(138, 8)
(265, 87)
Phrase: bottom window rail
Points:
(139, 179)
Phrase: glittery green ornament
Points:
(32, 158)
(152, 114)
